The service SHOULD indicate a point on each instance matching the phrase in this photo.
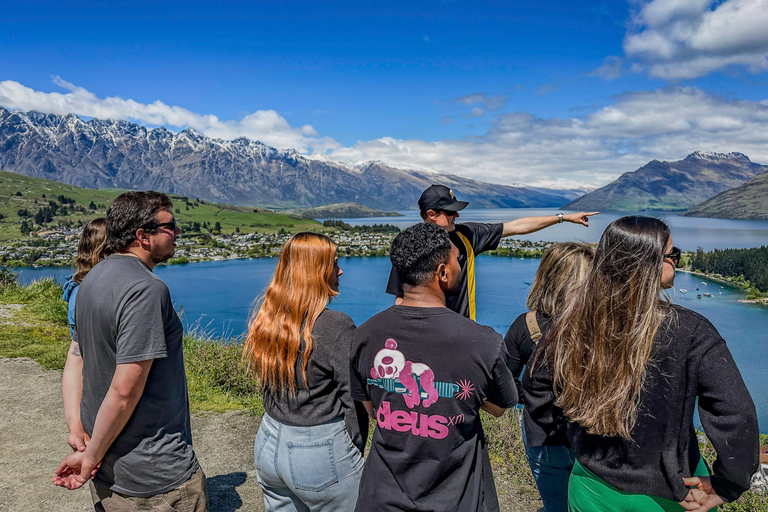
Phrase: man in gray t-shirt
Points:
(134, 402)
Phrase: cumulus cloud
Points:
(265, 125)
(592, 149)
(678, 39)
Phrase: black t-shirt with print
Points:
(427, 372)
(482, 237)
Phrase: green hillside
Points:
(35, 204)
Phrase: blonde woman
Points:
(563, 268)
(306, 458)
(627, 368)
(91, 249)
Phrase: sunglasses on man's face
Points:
(449, 213)
(172, 225)
(674, 255)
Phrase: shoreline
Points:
(762, 301)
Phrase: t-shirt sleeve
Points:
(340, 358)
(502, 391)
(357, 382)
(71, 315)
(483, 237)
(728, 416)
(394, 286)
(142, 318)
(518, 343)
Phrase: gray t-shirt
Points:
(124, 314)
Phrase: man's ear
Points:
(431, 215)
(142, 236)
(442, 272)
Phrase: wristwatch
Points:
(559, 218)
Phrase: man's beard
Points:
(455, 287)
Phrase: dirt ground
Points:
(33, 436)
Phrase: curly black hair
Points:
(131, 211)
(418, 251)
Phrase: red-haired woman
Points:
(309, 446)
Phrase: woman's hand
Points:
(703, 497)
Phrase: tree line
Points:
(752, 264)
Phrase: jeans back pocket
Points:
(313, 467)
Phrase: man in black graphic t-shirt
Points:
(424, 372)
(438, 205)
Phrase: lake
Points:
(687, 232)
(216, 298)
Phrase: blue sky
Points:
(539, 93)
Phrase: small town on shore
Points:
(57, 247)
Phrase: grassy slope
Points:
(230, 217)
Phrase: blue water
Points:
(688, 232)
(217, 298)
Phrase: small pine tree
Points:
(91, 205)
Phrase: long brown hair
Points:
(286, 315)
(563, 266)
(92, 247)
(599, 348)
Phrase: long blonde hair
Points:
(286, 314)
(599, 347)
(92, 248)
(563, 266)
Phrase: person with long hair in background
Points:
(91, 249)
(563, 268)
(627, 367)
(308, 449)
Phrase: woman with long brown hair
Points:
(563, 268)
(627, 368)
(91, 249)
(309, 446)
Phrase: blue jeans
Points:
(307, 468)
(551, 467)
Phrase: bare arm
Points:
(526, 225)
(495, 410)
(369, 408)
(123, 395)
(71, 392)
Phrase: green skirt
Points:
(587, 492)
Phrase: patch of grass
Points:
(507, 452)
(45, 343)
(217, 378)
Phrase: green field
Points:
(22, 199)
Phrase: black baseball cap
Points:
(440, 197)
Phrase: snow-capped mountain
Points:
(105, 154)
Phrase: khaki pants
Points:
(191, 496)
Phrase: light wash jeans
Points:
(307, 468)
(551, 467)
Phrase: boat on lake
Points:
(683, 290)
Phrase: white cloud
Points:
(611, 68)
(492, 103)
(265, 125)
(590, 149)
(677, 39)
(593, 149)
(476, 112)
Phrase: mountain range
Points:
(105, 153)
(676, 185)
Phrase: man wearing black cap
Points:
(438, 205)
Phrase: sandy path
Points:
(33, 436)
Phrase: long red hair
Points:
(285, 316)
